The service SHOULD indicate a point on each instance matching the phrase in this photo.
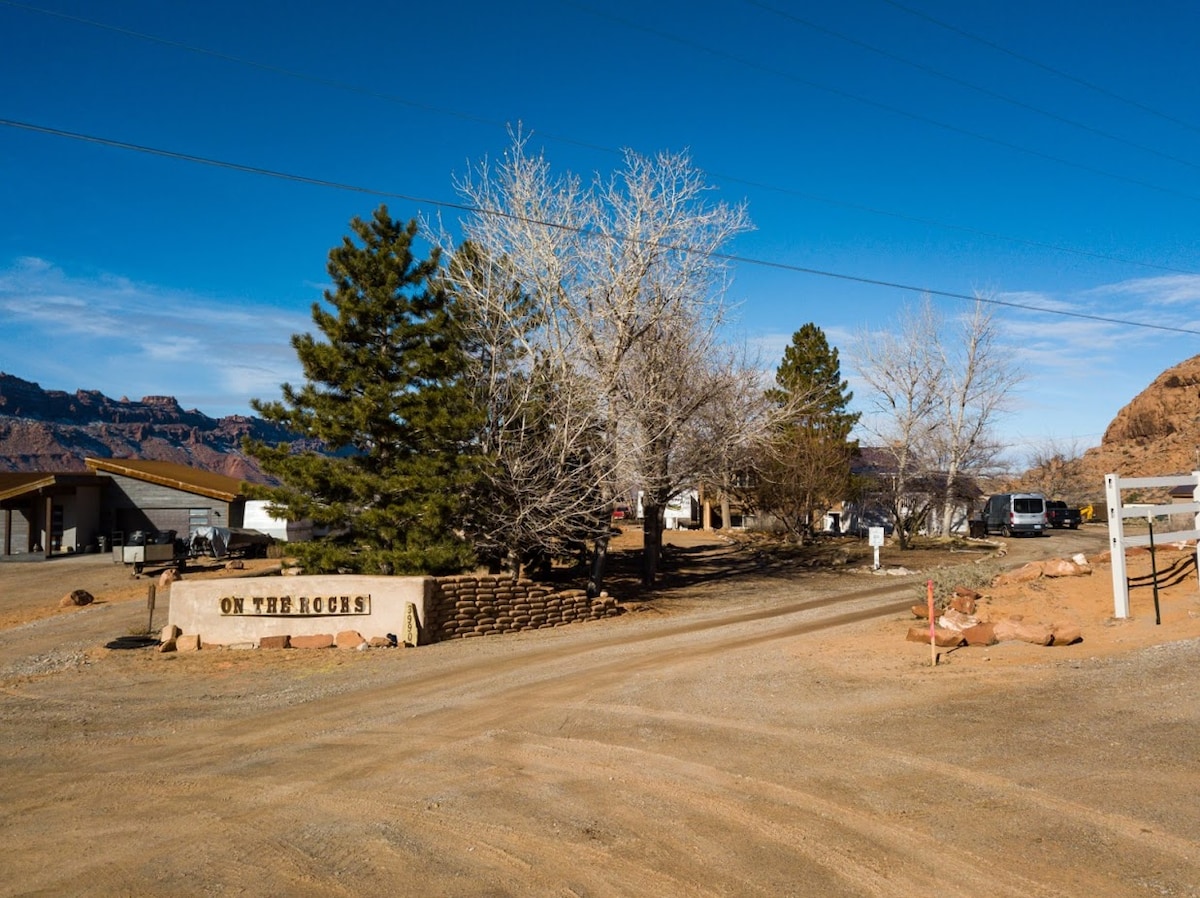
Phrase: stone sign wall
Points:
(245, 610)
(319, 610)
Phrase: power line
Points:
(1036, 63)
(464, 207)
(895, 110)
(475, 119)
(287, 73)
(965, 229)
(962, 82)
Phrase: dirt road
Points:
(749, 735)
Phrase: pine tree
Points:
(385, 398)
(808, 465)
(811, 371)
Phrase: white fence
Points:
(1118, 512)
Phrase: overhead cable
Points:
(464, 207)
(1037, 63)
(570, 141)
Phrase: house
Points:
(876, 470)
(49, 513)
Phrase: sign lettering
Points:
(294, 606)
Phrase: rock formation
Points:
(52, 430)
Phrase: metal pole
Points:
(1154, 572)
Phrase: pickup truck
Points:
(1059, 515)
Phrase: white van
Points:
(1015, 513)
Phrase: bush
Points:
(976, 576)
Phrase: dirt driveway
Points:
(761, 730)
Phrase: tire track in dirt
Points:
(1038, 808)
(351, 742)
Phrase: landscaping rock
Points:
(1019, 630)
(1060, 567)
(319, 641)
(963, 604)
(187, 642)
(1066, 632)
(956, 620)
(1026, 574)
(941, 638)
(76, 597)
(982, 633)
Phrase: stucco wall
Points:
(246, 610)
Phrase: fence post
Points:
(1116, 546)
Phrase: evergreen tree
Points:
(385, 398)
(811, 372)
(808, 465)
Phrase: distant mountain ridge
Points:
(1157, 433)
(53, 431)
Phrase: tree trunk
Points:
(725, 525)
(599, 557)
(651, 543)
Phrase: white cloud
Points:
(110, 333)
(1168, 290)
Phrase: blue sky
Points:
(1047, 154)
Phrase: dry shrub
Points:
(977, 576)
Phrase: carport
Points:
(47, 513)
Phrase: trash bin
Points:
(977, 529)
(102, 541)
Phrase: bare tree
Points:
(904, 371)
(938, 391)
(803, 472)
(729, 439)
(620, 287)
(1056, 471)
(540, 437)
(977, 377)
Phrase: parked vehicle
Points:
(1015, 513)
(1059, 515)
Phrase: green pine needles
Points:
(386, 400)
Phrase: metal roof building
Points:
(48, 513)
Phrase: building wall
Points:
(20, 540)
(137, 505)
(81, 518)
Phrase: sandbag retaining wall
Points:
(466, 606)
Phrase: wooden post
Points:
(47, 525)
(150, 595)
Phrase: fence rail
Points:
(1118, 512)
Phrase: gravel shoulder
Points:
(758, 730)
